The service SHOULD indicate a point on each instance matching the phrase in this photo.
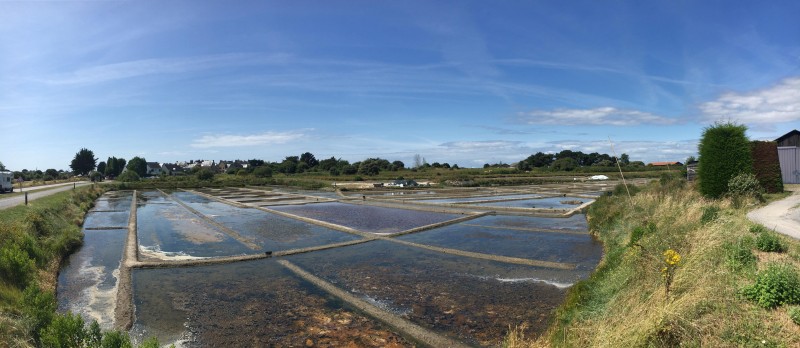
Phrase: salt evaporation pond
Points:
(253, 304)
(260, 303)
(471, 300)
(493, 235)
(367, 218)
(270, 231)
(481, 198)
(541, 203)
(167, 230)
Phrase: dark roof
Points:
(153, 165)
(783, 137)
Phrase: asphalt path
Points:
(46, 190)
(782, 216)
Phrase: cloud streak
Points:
(230, 140)
(603, 116)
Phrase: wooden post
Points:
(26, 198)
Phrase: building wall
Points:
(793, 140)
(790, 164)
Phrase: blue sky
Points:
(463, 82)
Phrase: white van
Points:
(6, 182)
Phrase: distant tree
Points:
(95, 176)
(289, 165)
(255, 162)
(101, 167)
(84, 162)
(565, 164)
(349, 169)
(398, 165)
(262, 172)
(2, 166)
(309, 159)
(204, 174)
(624, 160)
(50, 174)
(436, 165)
(690, 159)
(138, 165)
(128, 176)
(724, 154)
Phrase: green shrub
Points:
(116, 339)
(39, 308)
(640, 231)
(16, 266)
(64, 331)
(794, 314)
(262, 172)
(769, 241)
(777, 285)
(758, 229)
(739, 255)
(724, 153)
(745, 185)
(128, 176)
(620, 190)
(205, 175)
(710, 214)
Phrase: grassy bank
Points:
(34, 239)
(625, 303)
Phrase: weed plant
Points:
(794, 314)
(770, 242)
(777, 285)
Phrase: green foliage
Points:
(129, 176)
(777, 285)
(794, 314)
(620, 190)
(114, 166)
(64, 331)
(724, 153)
(84, 162)
(205, 175)
(770, 242)
(95, 176)
(116, 339)
(94, 336)
(640, 231)
(766, 165)
(262, 172)
(744, 185)
(16, 266)
(758, 229)
(137, 165)
(739, 255)
(710, 214)
(39, 308)
(565, 164)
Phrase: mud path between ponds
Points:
(123, 316)
(235, 235)
(419, 333)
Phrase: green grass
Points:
(624, 302)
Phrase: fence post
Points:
(26, 198)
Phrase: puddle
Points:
(255, 304)
(367, 218)
(120, 201)
(87, 283)
(471, 300)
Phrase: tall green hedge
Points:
(766, 165)
(724, 153)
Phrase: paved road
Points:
(783, 216)
(48, 190)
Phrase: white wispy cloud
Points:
(158, 66)
(603, 116)
(777, 104)
(266, 138)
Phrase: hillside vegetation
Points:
(723, 289)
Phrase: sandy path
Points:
(783, 216)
